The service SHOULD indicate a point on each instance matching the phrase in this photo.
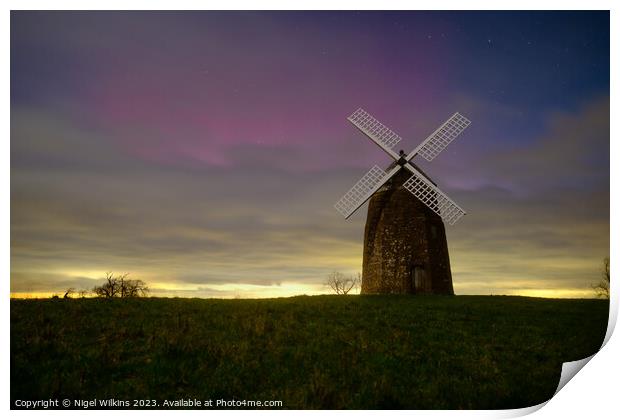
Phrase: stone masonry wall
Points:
(402, 236)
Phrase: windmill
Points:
(405, 246)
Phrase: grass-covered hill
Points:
(413, 352)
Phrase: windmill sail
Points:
(378, 133)
(433, 197)
(363, 189)
(418, 185)
(441, 138)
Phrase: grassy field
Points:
(412, 352)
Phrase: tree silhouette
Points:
(342, 284)
(602, 287)
(121, 286)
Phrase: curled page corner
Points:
(570, 369)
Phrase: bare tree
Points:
(83, 293)
(602, 287)
(342, 284)
(133, 288)
(109, 289)
(68, 293)
(121, 286)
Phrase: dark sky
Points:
(203, 151)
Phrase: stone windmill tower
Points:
(405, 246)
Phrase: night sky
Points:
(203, 151)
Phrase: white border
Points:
(592, 395)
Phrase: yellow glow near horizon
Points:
(307, 286)
(252, 291)
(32, 295)
(224, 291)
(239, 290)
(556, 293)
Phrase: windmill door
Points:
(420, 280)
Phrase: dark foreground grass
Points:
(466, 352)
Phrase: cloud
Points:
(204, 201)
(574, 152)
(80, 205)
(98, 209)
(540, 218)
(570, 150)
